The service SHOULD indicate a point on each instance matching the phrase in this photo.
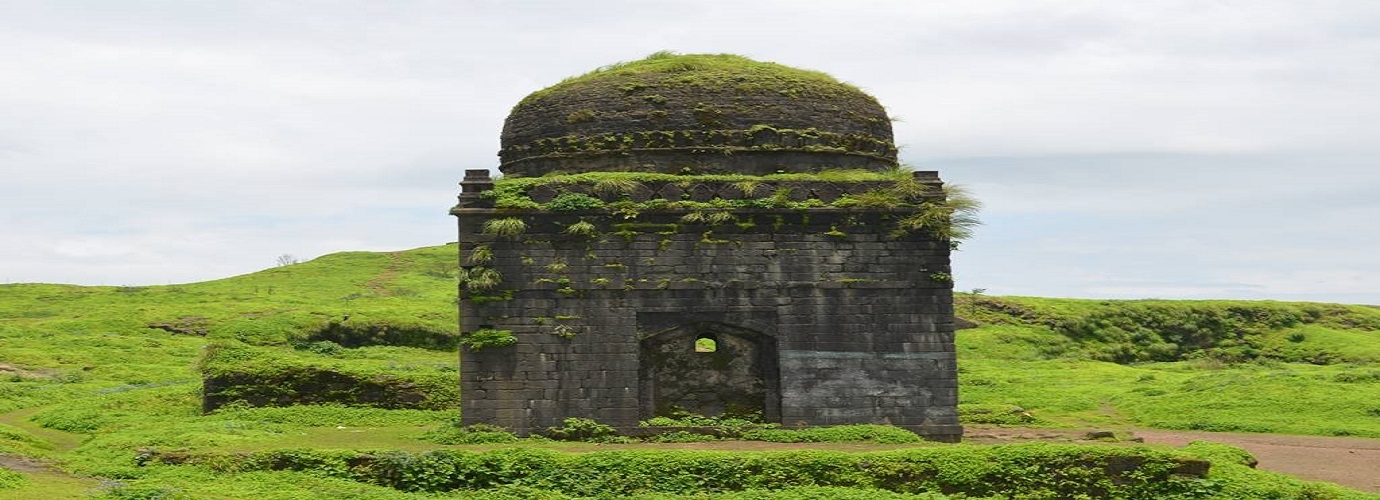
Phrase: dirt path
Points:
(379, 284)
(61, 441)
(1351, 462)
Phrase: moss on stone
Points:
(672, 113)
(709, 71)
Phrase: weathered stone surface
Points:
(687, 114)
(608, 333)
(819, 316)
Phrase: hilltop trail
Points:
(60, 441)
(379, 284)
(1352, 462)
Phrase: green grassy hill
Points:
(1279, 367)
(98, 380)
(64, 341)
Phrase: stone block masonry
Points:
(819, 317)
(711, 234)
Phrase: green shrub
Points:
(681, 418)
(488, 337)
(584, 429)
(566, 202)
(510, 227)
(883, 434)
(581, 228)
(479, 279)
(681, 437)
(1022, 471)
(481, 254)
(322, 347)
(1219, 453)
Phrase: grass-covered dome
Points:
(697, 113)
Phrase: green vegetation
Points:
(1297, 368)
(949, 215)
(509, 227)
(584, 429)
(1044, 470)
(106, 384)
(479, 279)
(1161, 330)
(883, 434)
(699, 102)
(582, 228)
(325, 372)
(757, 138)
(711, 71)
(1013, 471)
(488, 337)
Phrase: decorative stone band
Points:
(826, 192)
(656, 144)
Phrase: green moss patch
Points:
(710, 71)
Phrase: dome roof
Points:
(696, 114)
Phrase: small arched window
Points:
(706, 343)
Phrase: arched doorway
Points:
(710, 368)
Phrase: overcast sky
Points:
(1196, 149)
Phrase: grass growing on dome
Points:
(719, 71)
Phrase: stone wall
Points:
(828, 317)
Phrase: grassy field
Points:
(1222, 365)
(94, 380)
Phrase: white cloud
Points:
(1183, 148)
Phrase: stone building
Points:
(711, 234)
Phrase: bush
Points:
(584, 429)
(1024, 471)
(705, 428)
(488, 337)
(681, 437)
(1221, 453)
(883, 434)
(827, 493)
(565, 202)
